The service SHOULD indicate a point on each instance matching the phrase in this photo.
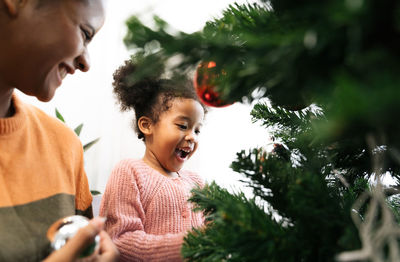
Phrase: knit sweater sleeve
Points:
(125, 213)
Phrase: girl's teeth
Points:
(182, 153)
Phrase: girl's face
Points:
(174, 138)
(50, 42)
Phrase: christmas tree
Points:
(327, 78)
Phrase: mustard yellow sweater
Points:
(41, 180)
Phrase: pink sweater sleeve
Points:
(125, 222)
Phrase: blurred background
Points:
(87, 98)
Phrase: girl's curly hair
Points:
(149, 97)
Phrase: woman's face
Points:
(50, 42)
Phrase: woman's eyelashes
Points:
(87, 35)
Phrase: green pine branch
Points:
(253, 234)
(342, 56)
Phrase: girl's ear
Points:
(145, 125)
(13, 6)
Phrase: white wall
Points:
(87, 98)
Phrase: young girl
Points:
(145, 200)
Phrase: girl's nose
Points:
(191, 136)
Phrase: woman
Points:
(41, 160)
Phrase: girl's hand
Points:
(73, 248)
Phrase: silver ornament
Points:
(65, 228)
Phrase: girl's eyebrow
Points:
(181, 117)
(185, 118)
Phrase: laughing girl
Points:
(145, 200)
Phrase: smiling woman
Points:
(42, 178)
(55, 40)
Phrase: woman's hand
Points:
(107, 251)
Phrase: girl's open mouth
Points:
(182, 153)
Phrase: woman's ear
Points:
(13, 6)
(145, 125)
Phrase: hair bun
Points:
(132, 89)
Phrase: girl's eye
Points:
(183, 127)
(197, 132)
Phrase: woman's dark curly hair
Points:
(149, 97)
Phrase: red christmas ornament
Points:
(204, 84)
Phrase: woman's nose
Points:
(82, 62)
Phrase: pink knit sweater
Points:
(147, 212)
